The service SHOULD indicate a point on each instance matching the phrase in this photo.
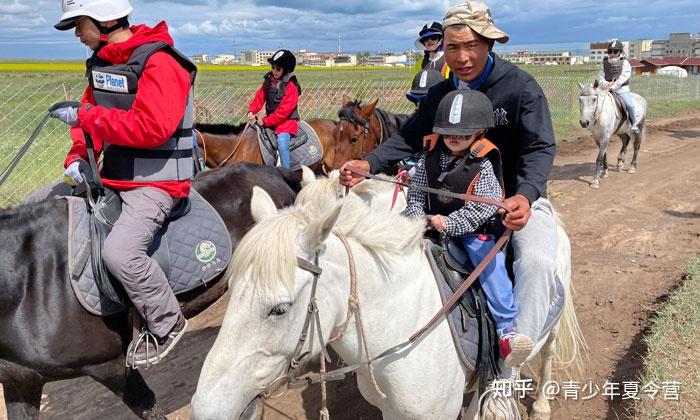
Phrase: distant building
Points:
(599, 50)
(653, 64)
(224, 59)
(386, 60)
(200, 58)
(639, 49)
(255, 57)
(345, 60)
(544, 58)
(681, 44)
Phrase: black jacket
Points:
(523, 131)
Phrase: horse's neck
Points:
(394, 303)
(219, 147)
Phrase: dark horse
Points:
(46, 335)
(224, 144)
(361, 129)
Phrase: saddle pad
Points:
(199, 249)
(465, 333)
(306, 154)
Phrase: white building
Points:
(386, 60)
(681, 44)
(224, 59)
(256, 57)
(200, 58)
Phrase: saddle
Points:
(192, 248)
(472, 326)
(305, 148)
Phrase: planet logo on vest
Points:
(109, 81)
(205, 251)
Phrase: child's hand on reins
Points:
(438, 222)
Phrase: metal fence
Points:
(23, 105)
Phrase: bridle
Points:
(348, 114)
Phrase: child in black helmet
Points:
(460, 163)
(422, 82)
(280, 98)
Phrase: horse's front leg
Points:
(541, 409)
(623, 150)
(22, 401)
(605, 166)
(127, 384)
(600, 162)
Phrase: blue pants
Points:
(283, 141)
(494, 279)
(629, 104)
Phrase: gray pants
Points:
(143, 212)
(534, 266)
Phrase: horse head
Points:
(355, 136)
(588, 98)
(268, 308)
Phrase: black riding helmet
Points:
(615, 45)
(429, 29)
(422, 82)
(284, 59)
(463, 112)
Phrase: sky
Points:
(231, 26)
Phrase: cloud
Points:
(218, 26)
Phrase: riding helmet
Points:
(615, 45)
(463, 112)
(429, 29)
(422, 82)
(284, 59)
(98, 10)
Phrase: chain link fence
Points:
(23, 104)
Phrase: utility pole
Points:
(338, 42)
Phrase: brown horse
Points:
(361, 129)
(223, 144)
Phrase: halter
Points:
(348, 114)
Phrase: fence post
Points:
(318, 101)
(383, 93)
(227, 104)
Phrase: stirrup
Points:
(144, 337)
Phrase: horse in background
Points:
(361, 129)
(46, 334)
(272, 283)
(604, 118)
(223, 144)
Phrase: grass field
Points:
(27, 89)
(672, 353)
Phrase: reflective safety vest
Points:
(613, 71)
(274, 95)
(115, 86)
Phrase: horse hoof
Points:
(620, 165)
(595, 185)
(605, 175)
(632, 170)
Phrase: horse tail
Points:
(571, 346)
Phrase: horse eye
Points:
(353, 140)
(279, 309)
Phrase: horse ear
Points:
(369, 109)
(261, 205)
(318, 230)
(307, 176)
(346, 99)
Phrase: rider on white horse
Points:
(614, 75)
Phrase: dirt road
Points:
(631, 239)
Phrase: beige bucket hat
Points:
(477, 16)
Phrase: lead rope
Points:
(354, 304)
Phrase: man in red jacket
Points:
(138, 110)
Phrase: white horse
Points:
(600, 114)
(271, 292)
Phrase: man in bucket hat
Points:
(523, 133)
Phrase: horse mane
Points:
(357, 102)
(267, 253)
(222, 129)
